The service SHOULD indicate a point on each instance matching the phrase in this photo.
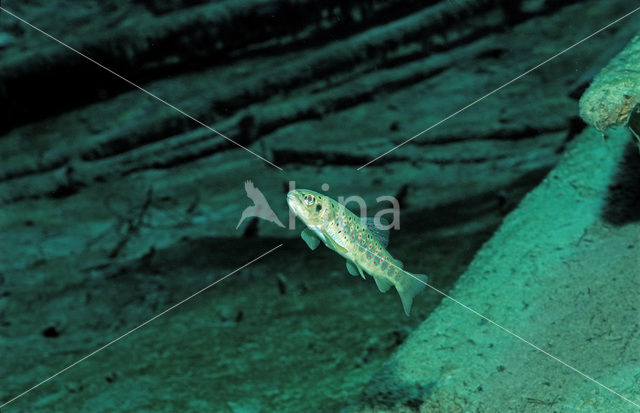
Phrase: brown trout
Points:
(358, 240)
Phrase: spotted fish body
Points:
(358, 240)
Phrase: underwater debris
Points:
(612, 98)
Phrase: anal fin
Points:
(383, 284)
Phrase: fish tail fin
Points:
(410, 286)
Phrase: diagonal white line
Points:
(507, 331)
(499, 88)
(141, 88)
(138, 327)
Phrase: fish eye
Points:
(309, 199)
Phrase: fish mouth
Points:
(292, 200)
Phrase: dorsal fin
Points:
(397, 263)
(382, 235)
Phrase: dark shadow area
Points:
(623, 199)
(67, 81)
(386, 390)
(54, 82)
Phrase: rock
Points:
(615, 91)
(558, 274)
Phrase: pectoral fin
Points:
(310, 238)
(354, 269)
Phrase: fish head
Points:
(307, 205)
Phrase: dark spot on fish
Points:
(318, 207)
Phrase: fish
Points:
(359, 240)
